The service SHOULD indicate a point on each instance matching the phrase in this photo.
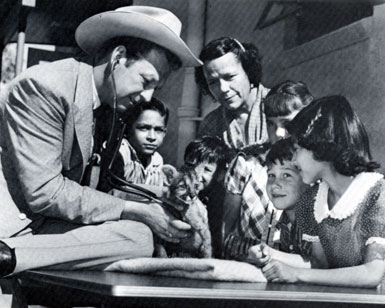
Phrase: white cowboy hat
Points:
(150, 23)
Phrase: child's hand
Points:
(276, 271)
(259, 255)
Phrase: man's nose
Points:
(146, 95)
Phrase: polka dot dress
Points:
(344, 239)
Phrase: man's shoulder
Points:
(52, 79)
(69, 64)
(51, 73)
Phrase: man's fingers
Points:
(168, 237)
(180, 225)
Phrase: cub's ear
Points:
(169, 174)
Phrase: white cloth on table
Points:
(205, 269)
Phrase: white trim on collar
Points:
(349, 201)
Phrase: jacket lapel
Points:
(83, 112)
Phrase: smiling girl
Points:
(343, 213)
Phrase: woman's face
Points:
(228, 82)
(276, 126)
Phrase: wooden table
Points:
(127, 290)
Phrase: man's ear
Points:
(118, 55)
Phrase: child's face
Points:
(276, 126)
(205, 172)
(310, 169)
(147, 132)
(284, 185)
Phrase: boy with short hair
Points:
(284, 187)
(209, 157)
(249, 218)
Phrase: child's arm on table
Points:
(367, 275)
(261, 254)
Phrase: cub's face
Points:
(184, 186)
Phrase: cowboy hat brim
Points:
(96, 30)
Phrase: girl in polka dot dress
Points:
(343, 213)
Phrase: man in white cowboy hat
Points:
(47, 218)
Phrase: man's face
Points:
(228, 82)
(136, 82)
(147, 132)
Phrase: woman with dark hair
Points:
(231, 75)
(343, 213)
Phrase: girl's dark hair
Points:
(247, 54)
(207, 149)
(137, 48)
(155, 104)
(282, 150)
(286, 97)
(332, 131)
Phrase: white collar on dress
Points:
(349, 201)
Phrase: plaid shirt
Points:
(290, 238)
(257, 221)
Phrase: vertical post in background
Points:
(26, 5)
(189, 110)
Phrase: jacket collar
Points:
(83, 110)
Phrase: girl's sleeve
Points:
(373, 223)
(304, 214)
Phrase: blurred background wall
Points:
(336, 47)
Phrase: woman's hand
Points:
(276, 271)
(259, 255)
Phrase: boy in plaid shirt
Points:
(284, 187)
(249, 218)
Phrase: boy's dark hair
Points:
(137, 48)
(247, 54)
(282, 150)
(332, 131)
(207, 149)
(286, 97)
(155, 104)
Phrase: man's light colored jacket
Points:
(45, 138)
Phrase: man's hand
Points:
(259, 255)
(160, 221)
(276, 271)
